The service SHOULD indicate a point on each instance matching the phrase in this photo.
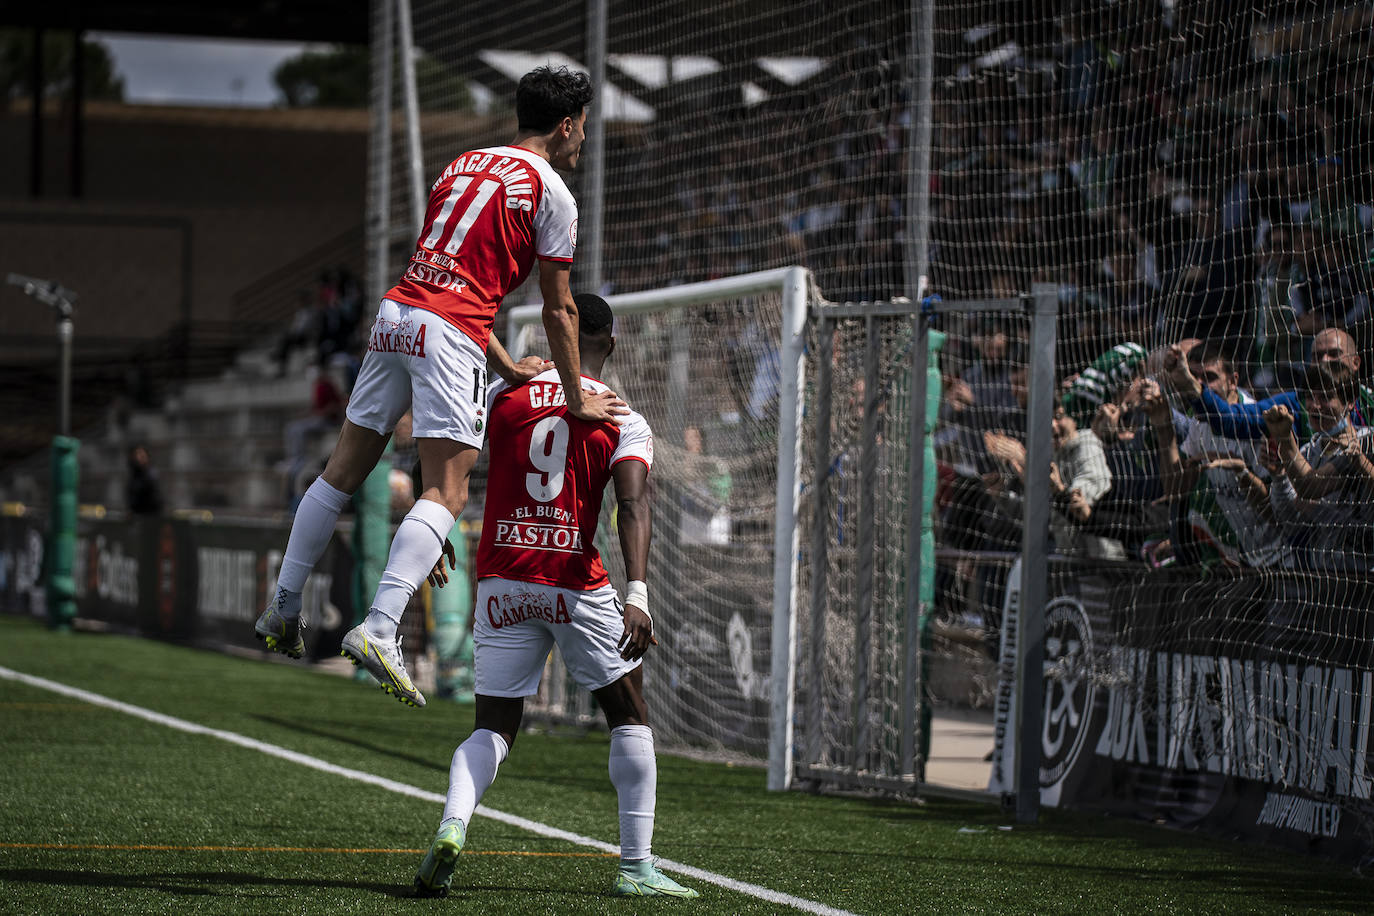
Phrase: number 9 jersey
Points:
(490, 215)
(548, 472)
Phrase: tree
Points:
(16, 67)
(341, 78)
(337, 78)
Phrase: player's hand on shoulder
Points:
(638, 635)
(600, 407)
(527, 369)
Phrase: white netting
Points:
(716, 162)
(855, 545)
(1192, 174)
(706, 376)
(1172, 170)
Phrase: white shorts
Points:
(517, 624)
(419, 362)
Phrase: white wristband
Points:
(637, 593)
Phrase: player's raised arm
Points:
(560, 325)
(635, 523)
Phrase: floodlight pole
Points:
(49, 292)
(61, 551)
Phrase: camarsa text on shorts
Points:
(508, 610)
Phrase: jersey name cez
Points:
(547, 396)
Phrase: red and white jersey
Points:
(548, 471)
(491, 214)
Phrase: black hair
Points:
(594, 322)
(1215, 351)
(593, 315)
(547, 95)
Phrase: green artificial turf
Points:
(275, 836)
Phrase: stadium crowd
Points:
(1166, 457)
(1185, 175)
(1173, 173)
(1204, 193)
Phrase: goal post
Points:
(697, 328)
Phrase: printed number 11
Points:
(485, 190)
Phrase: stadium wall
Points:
(181, 209)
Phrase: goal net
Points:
(1183, 174)
(1177, 172)
(707, 365)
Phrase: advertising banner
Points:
(178, 579)
(233, 572)
(1239, 703)
(21, 566)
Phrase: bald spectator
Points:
(1246, 421)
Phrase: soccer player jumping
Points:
(491, 215)
(541, 583)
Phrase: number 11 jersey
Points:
(491, 214)
(548, 471)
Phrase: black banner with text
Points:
(183, 580)
(1238, 702)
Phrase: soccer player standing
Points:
(541, 583)
(491, 215)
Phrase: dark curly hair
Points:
(547, 95)
(593, 314)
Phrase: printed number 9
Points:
(549, 454)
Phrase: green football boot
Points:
(643, 879)
(436, 869)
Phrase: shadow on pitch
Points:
(343, 737)
(474, 890)
(191, 884)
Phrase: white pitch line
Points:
(324, 766)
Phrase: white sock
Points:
(310, 533)
(634, 773)
(418, 544)
(472, 772)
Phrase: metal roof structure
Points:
(343, 21)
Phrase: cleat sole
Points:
(275, 644)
